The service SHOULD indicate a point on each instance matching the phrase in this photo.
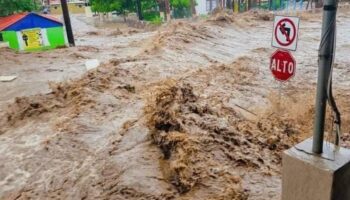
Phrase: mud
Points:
(189, 111)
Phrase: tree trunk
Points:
(193, 7)
(167, 9)
(139, 9)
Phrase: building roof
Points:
(36, 21)
(9, 20)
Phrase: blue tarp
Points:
(33, 20)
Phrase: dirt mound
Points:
(175, 35)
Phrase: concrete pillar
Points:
(306, 176)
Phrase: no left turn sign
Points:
(285, 32)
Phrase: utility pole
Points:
(67, 23)
(325, 62)
(139, 9)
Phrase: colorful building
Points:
(31, 31)
(74, 6)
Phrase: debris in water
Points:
(7, 78)
(92, 64)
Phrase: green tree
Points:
(180, 3)
(121, 6)
(150, 10)
(9, 7)
(105, 6)
(182, 8)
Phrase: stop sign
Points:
(282, 65)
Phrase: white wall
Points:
(203, 8)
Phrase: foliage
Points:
(105, 6)
(156, 21)
(121, 6)
(149, 5)
(150, 11)
(180, 3)
(151, 15)
(181, 8)
(150, 8)
(8, 7)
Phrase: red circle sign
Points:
(282, 65)
(288, 30)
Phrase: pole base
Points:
(307, 176)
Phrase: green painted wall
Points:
(11, 37)
(55, 36)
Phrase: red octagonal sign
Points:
(282, 65)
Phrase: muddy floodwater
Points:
(185, 111)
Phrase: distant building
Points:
(74, 6)
(31, 31)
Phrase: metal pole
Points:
(325, 61)
(67, 23)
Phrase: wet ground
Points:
(187, 111)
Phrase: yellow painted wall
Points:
(74, 8)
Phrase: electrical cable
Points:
(330, 98)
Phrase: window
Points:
(1, 38)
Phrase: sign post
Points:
(285, 38)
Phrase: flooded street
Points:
(185, 111)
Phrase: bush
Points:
(150, 15)
(156, 21)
